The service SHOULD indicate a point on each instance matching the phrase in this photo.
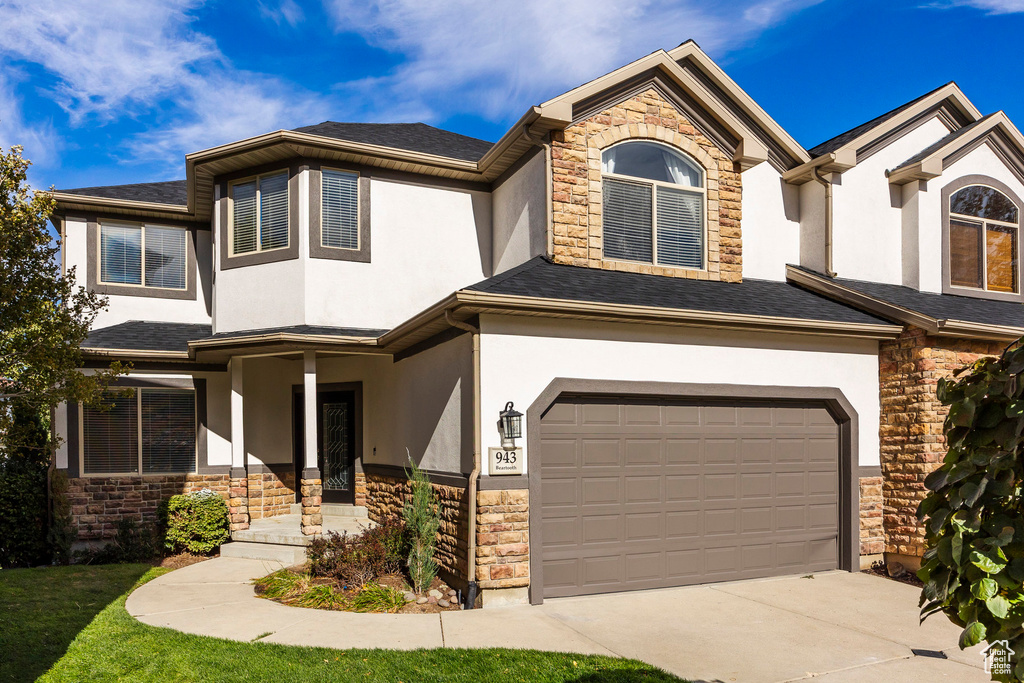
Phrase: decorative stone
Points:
(895, 569)
(452, 594)
(421, 600)
(434, 593)
(443, 603)
(432, 600)
(410, 596)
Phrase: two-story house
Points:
(724, 346)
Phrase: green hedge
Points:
(195, 522)
(23, 470)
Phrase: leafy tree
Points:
(974, 563)
(44, 317)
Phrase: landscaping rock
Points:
(442, 603)
(895, 570)
(432, 600)
(452, 594)
(421, 601)
(410, 596)
(434, 593)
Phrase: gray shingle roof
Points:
(142, 335)
(415, 137)
(300, 329)
(541, 278)
(838, 141)
(166, 192)
(939, 306)
(942, 142)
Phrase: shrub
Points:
(421, 522)
(62, 534)
(377, 598)
(195, 522)
(23, 470)
(360, 558)
(974, 563)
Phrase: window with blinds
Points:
(146, 255)
(653, 206)
(983, 240)
(259, 214)
(339, 210)
(153, 432)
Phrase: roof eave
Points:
(67, 201)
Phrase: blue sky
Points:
(118, 91)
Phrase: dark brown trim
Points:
(202, 428)
(73, 443)
(869, 471)
(316, 247)
(397, 472)
(92, 267)
(429, 343)
(156, 365)
(503, 483)
(291, 252)
(298, 428)
(309, 473)
(947, 192)
(141, 383)
(237, 472)
(831, 398)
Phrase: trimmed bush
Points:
(195, 522)
(23, 512)
(360, 558)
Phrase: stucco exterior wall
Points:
(122, 308)
(771, 224)
(867, 220)
(520, 357)
(520, 215)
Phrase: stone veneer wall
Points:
(387, 495)
(98, 503)
(911, 439)
(872, 535)
(360, 482)
(312, 496)
(577, 195)
(503, 539)
(271, 492)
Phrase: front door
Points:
(336, 444)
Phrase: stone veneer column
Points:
(238, 500)
(311, 489)
(911, 440)
(503, 539)
(872, 533)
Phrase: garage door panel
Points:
(652, 495)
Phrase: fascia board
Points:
(840, 161)
(933, 165)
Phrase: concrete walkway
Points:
(836, 627)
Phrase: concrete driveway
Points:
(835, 627)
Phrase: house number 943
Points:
(506, 461)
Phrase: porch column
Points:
(238, 503)
(311, 487)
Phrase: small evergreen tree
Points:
(421, 523)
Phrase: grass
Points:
(69, 624)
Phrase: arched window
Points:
(983, 240)
(653, 208)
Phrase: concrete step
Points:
(272, 535)
(334, 510)
(287, 554)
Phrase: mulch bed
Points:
(180, 560)
(396, 581)
(908, 577)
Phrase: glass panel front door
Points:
(337, 445)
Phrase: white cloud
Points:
(489, 55)
(989, 6)
(285, 12)
(40, 141)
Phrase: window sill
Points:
(982, 294)
(648, 268)
(106, 288)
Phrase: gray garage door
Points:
(652, 494)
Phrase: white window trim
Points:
(984, 238)
(259, 219)
(654, 218)
(359, 208)
(138, 407)
(143, 226)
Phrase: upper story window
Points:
(339, 210)
(983, 240)
(653, 205)
(259, 213)
(143, 255)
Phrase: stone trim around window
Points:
(316, 248)
(290, 252)
(577, 187)
(92, 268)
(947, 192)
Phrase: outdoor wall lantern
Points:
(510, 424)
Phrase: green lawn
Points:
(69, 624)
